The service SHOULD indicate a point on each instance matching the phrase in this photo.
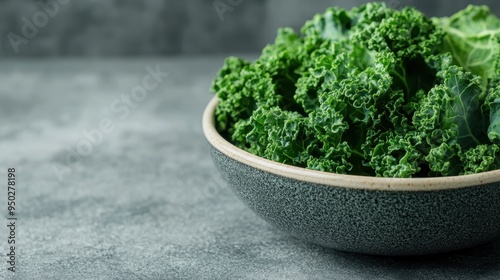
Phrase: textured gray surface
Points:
(147, 202)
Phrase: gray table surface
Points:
(146, 202)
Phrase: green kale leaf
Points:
(371, 91)
(472, 37)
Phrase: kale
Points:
(371, 91)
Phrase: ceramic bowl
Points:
(370, 215)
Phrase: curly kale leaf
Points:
(394, 154)
(241, 89)
(492, 105)
(334, 159)
(412, 38)
(407, 33)
(284, 62)
(452, 120)
(494, 128)
(481, 158)
(337, 24)
(371, 91)
(453, 105)
(334, 25)
(444, 159)
(279, 135)
(463, 108)
(472, 37)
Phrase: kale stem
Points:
(403, 79)
(358, 153)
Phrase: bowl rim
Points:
(334, 179)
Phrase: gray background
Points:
(154, 27)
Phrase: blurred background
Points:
(49, 28)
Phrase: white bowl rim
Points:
(333, 179)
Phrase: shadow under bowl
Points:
(361, 214)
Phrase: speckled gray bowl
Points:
(382, 216)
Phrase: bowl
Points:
(361, 214)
